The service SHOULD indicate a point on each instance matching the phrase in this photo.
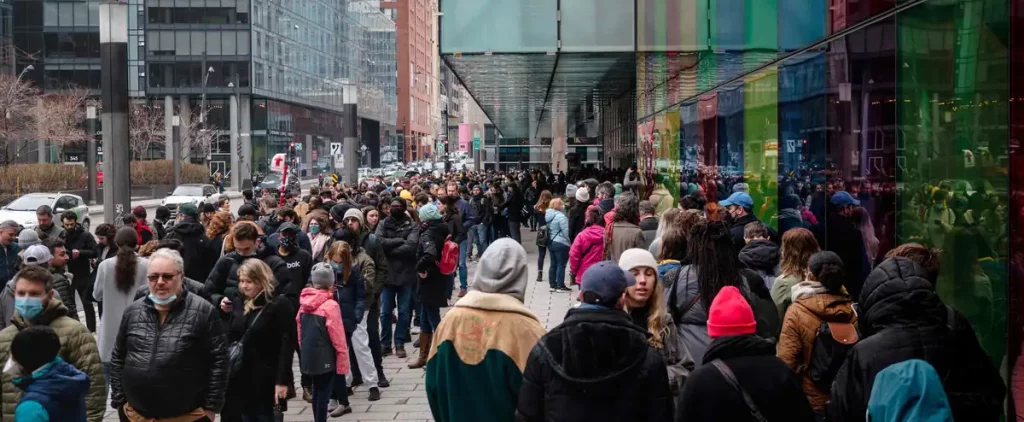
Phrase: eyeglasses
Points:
(165, 276)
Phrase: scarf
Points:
(317, 242)
(807, 288)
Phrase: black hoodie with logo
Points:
(595, 366)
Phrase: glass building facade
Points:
(907, 105)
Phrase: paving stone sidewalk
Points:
(405, 399)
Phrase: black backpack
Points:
(832, 344)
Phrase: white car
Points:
(187, 194)
(23, 209)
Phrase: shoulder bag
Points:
(236, 350)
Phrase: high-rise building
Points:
(287, 63)
(417, 76)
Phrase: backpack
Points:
(832, 344)
(449, 256)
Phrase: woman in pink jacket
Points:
(588, 247)
(323, 351)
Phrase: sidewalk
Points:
(155, 202)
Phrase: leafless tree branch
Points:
(146, 129)
(59, 117)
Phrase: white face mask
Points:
(13, 368)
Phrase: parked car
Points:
(272, 181)
(194, 193)
(23, 209)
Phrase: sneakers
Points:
(382, 381)
(552, 290)
(307, 394)
(563, 289)
(331, 405)
(374, 394)
(462, 292)
(341, 410)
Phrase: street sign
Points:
(277, 163)
(476, 143)
(339, 161)
(335, 148)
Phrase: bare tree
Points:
(17, 99)
(145, 129)
(59, 117)
(197, 138)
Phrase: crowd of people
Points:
(690, 306)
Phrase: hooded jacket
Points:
(199, 257)
(223, 279)
(8, 261)
(909, 391)
(662, 200)
(596, 365)
(901, 318)
(649, 226)
(62, 288)
(77, 347)
(321, 306)
(736, 231)
(398, 240)
(761, 256)
(799, 330)
(586, 250)
(775, 390)
(54, 392)
(624, 235)
(478, 354)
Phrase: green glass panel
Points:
(952, 98)
(760, 142)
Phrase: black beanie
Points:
(35, 346)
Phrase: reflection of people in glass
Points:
(963, 285)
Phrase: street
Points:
(405, 399)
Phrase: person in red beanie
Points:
(738, 366)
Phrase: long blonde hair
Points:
(657, 317)
(344, 251)
(258, 272)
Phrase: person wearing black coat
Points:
(269, 339)
(434, 287)
(81, 247)
(901, 318)
(191, 369)
(398, 237)
(838, 233)
(223, 280)
(199, 257)
(595, 366)
(453, 219)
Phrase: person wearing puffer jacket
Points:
(322, 347)
(588, 248)
(558, 244)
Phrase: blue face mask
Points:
(336, 266)
(163, 302)
(28, 307)
(314, 229)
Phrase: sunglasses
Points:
(164, 276)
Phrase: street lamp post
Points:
(114, 89)
(90, 154)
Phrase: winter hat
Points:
(139, 212)
(35, 346)
(570, 191)
(189, 210)
(406, 195)
(28, 237)
(429, 212)
(730, 314)
(502, 269)
(582, 194)
(604, 283)
(37, 254)
(354, 213)
(322, 276)
(247, 210)
(636, 257)
(618, 189)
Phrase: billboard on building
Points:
(464, 137)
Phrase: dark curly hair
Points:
(710, 251)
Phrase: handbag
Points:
(236, 350)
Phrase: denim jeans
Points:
(514, 230)
(463, 269)
(478, 234)
(559, 259)
(322, 385)
(387, 305)
(430, 318)
(541, 252)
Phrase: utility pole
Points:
(350, 143)
(114, 87)
(90, 154)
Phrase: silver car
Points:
(23, 209)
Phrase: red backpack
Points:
(449, 256)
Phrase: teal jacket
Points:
(54, 392)
(558, 226)
(908, 391)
